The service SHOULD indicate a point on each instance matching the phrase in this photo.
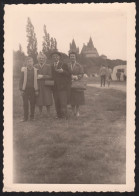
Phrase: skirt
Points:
(77, 97)
(45, 96)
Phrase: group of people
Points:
(42, 83)
(120, 76)
(105, 75)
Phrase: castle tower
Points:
(73, 47)
(89, 50)
(90, 44)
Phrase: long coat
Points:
(77, 96)
(61, 80)
(45, 93)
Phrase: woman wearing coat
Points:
(77, 95)
(45, 93)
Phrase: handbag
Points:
(49, 82)
(79, 84)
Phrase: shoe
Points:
(32, 119)
(24, 120)
(57, 117)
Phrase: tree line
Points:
(49, 44)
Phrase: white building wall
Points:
(115, 71)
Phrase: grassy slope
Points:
(90, 149)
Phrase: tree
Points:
(20, 48)
(45, 44)
(55, 44)
(18, 61)
(32, 41)
(49, 44)
(52, 44)
(48, 41)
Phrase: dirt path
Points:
(112, 86)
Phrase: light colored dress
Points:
(77, 95)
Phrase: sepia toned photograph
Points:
(69, 97)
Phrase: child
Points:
(29, 88)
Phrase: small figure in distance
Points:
(102, 73)
(109, 78)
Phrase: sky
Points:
(107, 27)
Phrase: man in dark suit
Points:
(62, 80)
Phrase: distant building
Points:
(103, 56)
(73, 47)
(89, 50)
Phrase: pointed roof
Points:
(83, 48)
(73, 47)
(90, 43)
(73, 44)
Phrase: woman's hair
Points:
(73, 53)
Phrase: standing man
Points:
(29, 88)
(103, 73)
(62, 80)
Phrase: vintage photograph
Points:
(69, 69)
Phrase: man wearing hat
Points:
(62, 78)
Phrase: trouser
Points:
(103, 80)
(29, 99)
(61, 100)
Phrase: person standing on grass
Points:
(108, 77)
(103, 73)
(45, 92)
(118, 74)
(77, 95)
(29, 88)
(62, 79)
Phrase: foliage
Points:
(49, 44)
(92, 64)
(18, 60)
(32, 41)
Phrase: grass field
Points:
(87, 150)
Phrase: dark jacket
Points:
(62, 80)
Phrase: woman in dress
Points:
(45, 93)
(77, 95)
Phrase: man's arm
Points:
(65, 70)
